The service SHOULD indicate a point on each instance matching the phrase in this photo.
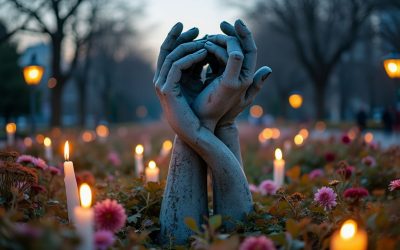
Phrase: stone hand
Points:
(217, 44)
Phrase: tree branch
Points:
(33, 13)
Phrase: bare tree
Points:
(53, 19)
(321, 31)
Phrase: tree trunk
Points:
(320, 87)
(56, 93)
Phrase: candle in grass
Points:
(11, 128)
(279, 168)
(84, 217)
(152, 172)
(139, 160)
(349, 237)
(71, 187)
(48, 150)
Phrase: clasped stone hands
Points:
(202, 114)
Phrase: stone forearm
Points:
(185, 194)
(229, 135)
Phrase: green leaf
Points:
(134, 218)
(215, 221)
(191, 224)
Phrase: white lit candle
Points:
(279, 168)
(84, 217)
(11, 128)
(48, 150)
(71, 187)
(349, 237)
(166, 148)
(152, 172)
(139, 160)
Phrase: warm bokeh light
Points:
(261, 138)
(304, 132)
(320, 126)
(276, 133)
(167, 145)
(139, 149)
(348, 229)
(85, 194)
(47, 141)
(295, 101)
(33, 74)
(66, 151)
(52, 82)
(392, 67)
(152, 164)
(256, 111)
(368, 137)
(40, 138)
(141, 112)
(298, 139)
(267, 133)
(278, 154)
(88, 136)
(28, 142)
(352, 134)
(102, 131)
(11, 128)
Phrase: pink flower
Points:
(315, 174)
(103, 239)
(369, 161)
(326, 197)
(54, 170)
(109, 215)
(267, 187)
(114, 159)
(40, 163)
(330, 156)
(346, 139)
(26, 159)
(27, 230)
(36, 189)
(346, 172)
(257, 243)
(253, 188)
(355, 193)
(394, 185)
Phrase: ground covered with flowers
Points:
(329, 179)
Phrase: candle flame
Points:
(278, 154)
(348, 229)
(298, 139)
(86, 195)
(66, 151)
(167, 145)
(47, 142)
(152, 164)
(139, 149)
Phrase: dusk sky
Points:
(160, 15)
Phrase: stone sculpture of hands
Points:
(219, 102)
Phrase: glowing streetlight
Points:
(392, 65)
(33, 74)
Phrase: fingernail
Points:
(194, 28)
(241, 23)
(265, 76)
(208, 43)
